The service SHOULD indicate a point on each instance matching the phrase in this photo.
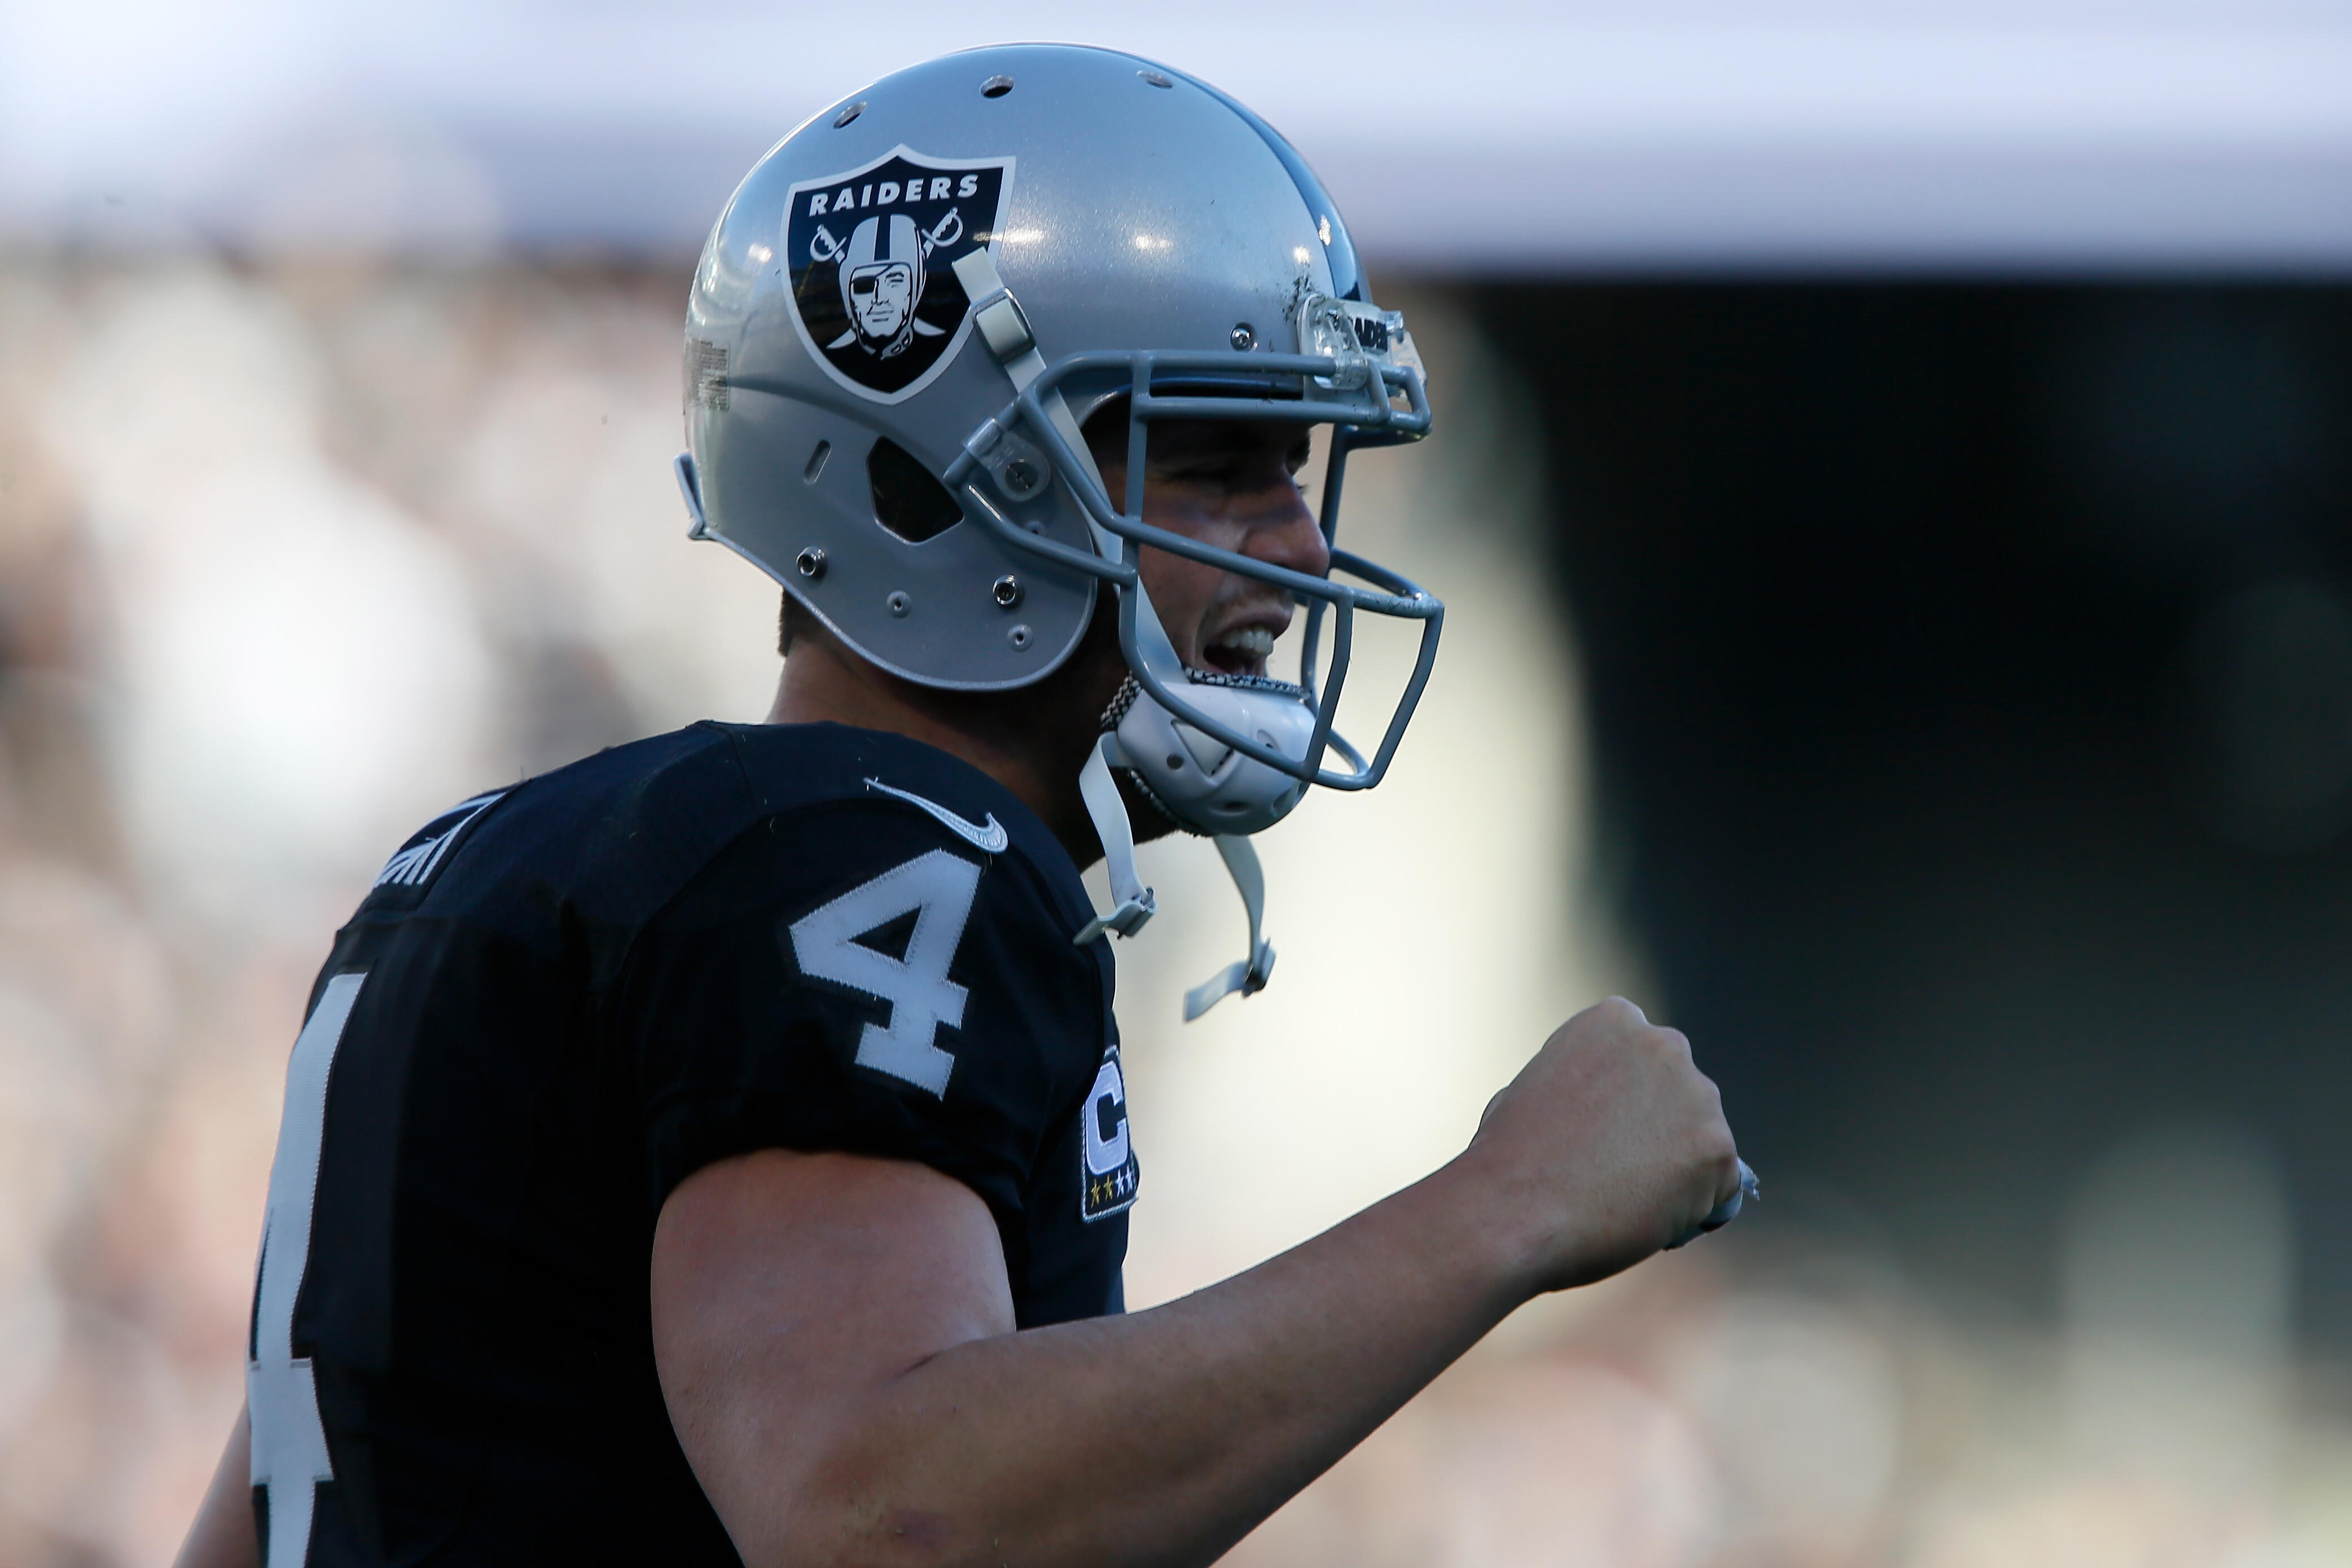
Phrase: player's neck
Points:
(1028, 742)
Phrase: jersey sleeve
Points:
(852, 976)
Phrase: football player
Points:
(717, 1149)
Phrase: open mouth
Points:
(1241, 652)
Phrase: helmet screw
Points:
(1006, 592)
(899, 603)
(1155, 78)
(1020, 478)
(1019, 637)
(811, 563)
(1245, 337)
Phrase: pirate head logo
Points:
(869, 254)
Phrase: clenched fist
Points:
(1610, 1145)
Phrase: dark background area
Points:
(1971, 674)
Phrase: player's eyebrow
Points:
(1189, 440)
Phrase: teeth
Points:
(1255, 641)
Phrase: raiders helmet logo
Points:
(869, 254)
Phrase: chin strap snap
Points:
(1133, 902)
(1247, 975)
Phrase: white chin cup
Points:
(1204, 784)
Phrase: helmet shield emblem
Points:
(871, 256)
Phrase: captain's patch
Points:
(869, 254)
(1106, 1185)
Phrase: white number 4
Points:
(939, 888)
(289, 1444)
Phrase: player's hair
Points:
(791, 622)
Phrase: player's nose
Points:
(1284, 532)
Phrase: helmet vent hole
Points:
(848, 114)
(816, 461)
(1175, 760)
(1155, 78)
(996, 87)
(909, 498)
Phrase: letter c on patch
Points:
(1106, 1121)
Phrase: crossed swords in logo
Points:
(825, 248)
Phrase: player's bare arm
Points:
(868, 1299)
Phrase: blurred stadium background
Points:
(1893, 491)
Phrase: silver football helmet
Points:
(897, 328)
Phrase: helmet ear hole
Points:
(909, 498)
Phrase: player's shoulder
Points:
(852, 798)
(639, 809)
(613, 836)
(856, 838)
(791, 767)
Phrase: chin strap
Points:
(1133, 905)
(1247, 975)
(1133, 901)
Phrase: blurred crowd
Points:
(288, 562)
(292, 556)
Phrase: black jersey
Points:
(561, 999)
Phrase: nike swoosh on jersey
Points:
(990, 840)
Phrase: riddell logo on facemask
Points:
(869, 256)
